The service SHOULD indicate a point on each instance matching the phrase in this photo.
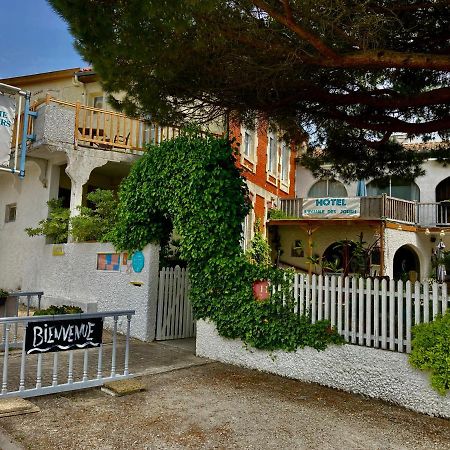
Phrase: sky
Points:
(34, 39)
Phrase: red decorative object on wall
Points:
(261, 290)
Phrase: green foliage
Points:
(357, 71)
(54, 310)
(259, 250)
(94, 223)
(277, 214)
(56, 226)
(192, 184)
(431, 350)
(4, 293)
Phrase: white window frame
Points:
(251, 156)
(285, 163)
(272, 160)
(248, 225)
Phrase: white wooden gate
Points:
(174, 318)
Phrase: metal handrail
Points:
(26, 319)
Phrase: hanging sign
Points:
(60, 335)
(331, 208)
(7, 114)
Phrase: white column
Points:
(79, 168)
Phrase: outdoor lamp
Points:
(442, 233)
(427, 232)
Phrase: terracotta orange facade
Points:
(267, 163)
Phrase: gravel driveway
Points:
(216, 406)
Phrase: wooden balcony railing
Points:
(111, 130)
(389, 208)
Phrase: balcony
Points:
(426, 215)
(59, 122)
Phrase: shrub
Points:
(56, 226)
(92, 224)
(96, 221)
(54, 310)
(431, 350)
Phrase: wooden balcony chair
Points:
(119, 139)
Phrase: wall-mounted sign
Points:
(331, 208)
(58, 250)
(61, 335)
(108, 261)
(7, 114)
(138, 261)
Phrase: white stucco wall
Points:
(16, 248)
(361, 370)
(434, 174)
(420, 243)
(73, 279)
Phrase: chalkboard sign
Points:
(61, 335)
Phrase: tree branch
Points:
(390, 124)
(290, 23)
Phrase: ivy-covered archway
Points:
(191, 183)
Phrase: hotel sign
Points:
(7, 113)
(331, 208)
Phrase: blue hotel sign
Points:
(331, 208)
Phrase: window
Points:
(327, 188)
(396, 187)
(284, 162)
(98, 102)
(10, 212)
(248, 141)
(272, 160)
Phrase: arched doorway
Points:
(406, 261)
(344, 256)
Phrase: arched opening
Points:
(443, 190)
(345, 257)
(406, 264)
(394, 187)
(327, 188)
(443, 195)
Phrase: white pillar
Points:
(79, 168)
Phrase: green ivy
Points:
(259, 249)
(191, 184)
(431, 350)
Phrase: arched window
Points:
(327, 188)
(443, 190)
(395, 187)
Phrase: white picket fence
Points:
(174, 317)
(369, 312)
